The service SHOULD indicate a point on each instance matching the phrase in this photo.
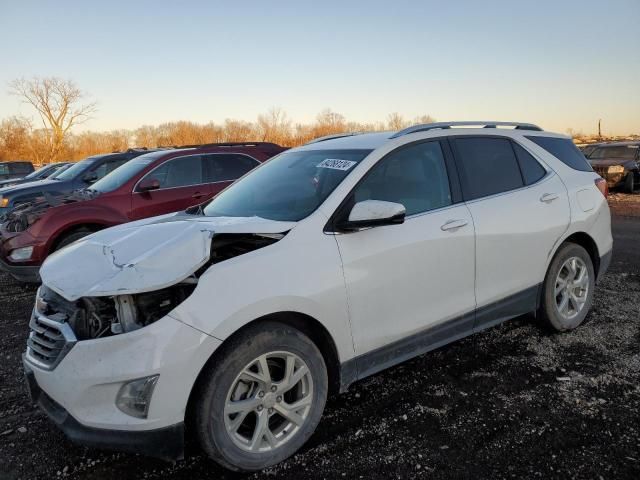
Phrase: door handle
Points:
(549, 197)
(453, 225)
(198, 195)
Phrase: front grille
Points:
(50, 339)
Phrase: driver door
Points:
(410, 286)
(182, 185)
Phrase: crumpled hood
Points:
(143, 256)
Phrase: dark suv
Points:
(618, 163)
(79, 176)
(14, 169)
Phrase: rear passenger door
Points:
(520, 209)
(182, 184)
(222, 169)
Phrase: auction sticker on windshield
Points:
(336, 164)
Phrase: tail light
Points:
(601, 183)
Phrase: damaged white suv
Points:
(326, 264)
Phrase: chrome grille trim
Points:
(48, 342)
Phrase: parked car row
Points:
(47, 171)
(233, 320)
(107, 190)
(617, 162)
(17, 169)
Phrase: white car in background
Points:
(328, 263)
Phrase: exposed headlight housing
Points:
(4, 201)
(21, 254)
(615, 169)
(134, 397)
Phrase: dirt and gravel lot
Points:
(514, 401)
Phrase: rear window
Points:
(564, 150)
(624, 152)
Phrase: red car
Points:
(152, 184)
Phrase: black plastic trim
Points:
(164, 443)
(435, 337)
(605, 262)
(22, 273)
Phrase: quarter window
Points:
(532, 171)
(179, 172)
(489, 166)
(415, 176)
(226, 167)
(564, 150)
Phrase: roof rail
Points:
(332, 136)
(263, 145)
(485, 124)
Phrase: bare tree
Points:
(274, 126)
(395, 121)
(59, 105)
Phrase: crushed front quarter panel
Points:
(144, 256)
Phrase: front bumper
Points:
(165, 443)
(22, 273)
(79, 392)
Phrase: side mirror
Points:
(373, 213)
(148, 184)
(90, 177)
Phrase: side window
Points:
(22, 168)
(4, 169)
(179, 172)
(531, 169)
(105, 168)
(224, 167)
(564, 150)
(415, 176)
(489, 166)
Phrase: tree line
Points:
(60, 106)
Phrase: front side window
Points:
(179, 172)
(414, 176)
(289, 187)
(107, 167)
(228, 166)
(488, 166)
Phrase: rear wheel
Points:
(262, 399)
(568, 288)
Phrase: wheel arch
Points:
(59, 236)
(308, 325)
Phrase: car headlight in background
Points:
(615, 169)
(134, 397)
(4, 202)
(21, 254)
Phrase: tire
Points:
(231, 377)
(563, 277)
(629, 183)
(72, 237)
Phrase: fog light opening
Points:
(134, 397)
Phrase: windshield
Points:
(41, 172)
(123, 173)
(288, 187)
(624, 152)
(74, 170)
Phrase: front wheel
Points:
(262, 397)
(568, 288)
(629, 183)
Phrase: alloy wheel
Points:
(268, 402)
(571, 287)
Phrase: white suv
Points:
(328, 263)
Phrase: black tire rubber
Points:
(548, 309)
(216, 381)
(72, 237)
(629, 183)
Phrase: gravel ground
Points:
(514, 401)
